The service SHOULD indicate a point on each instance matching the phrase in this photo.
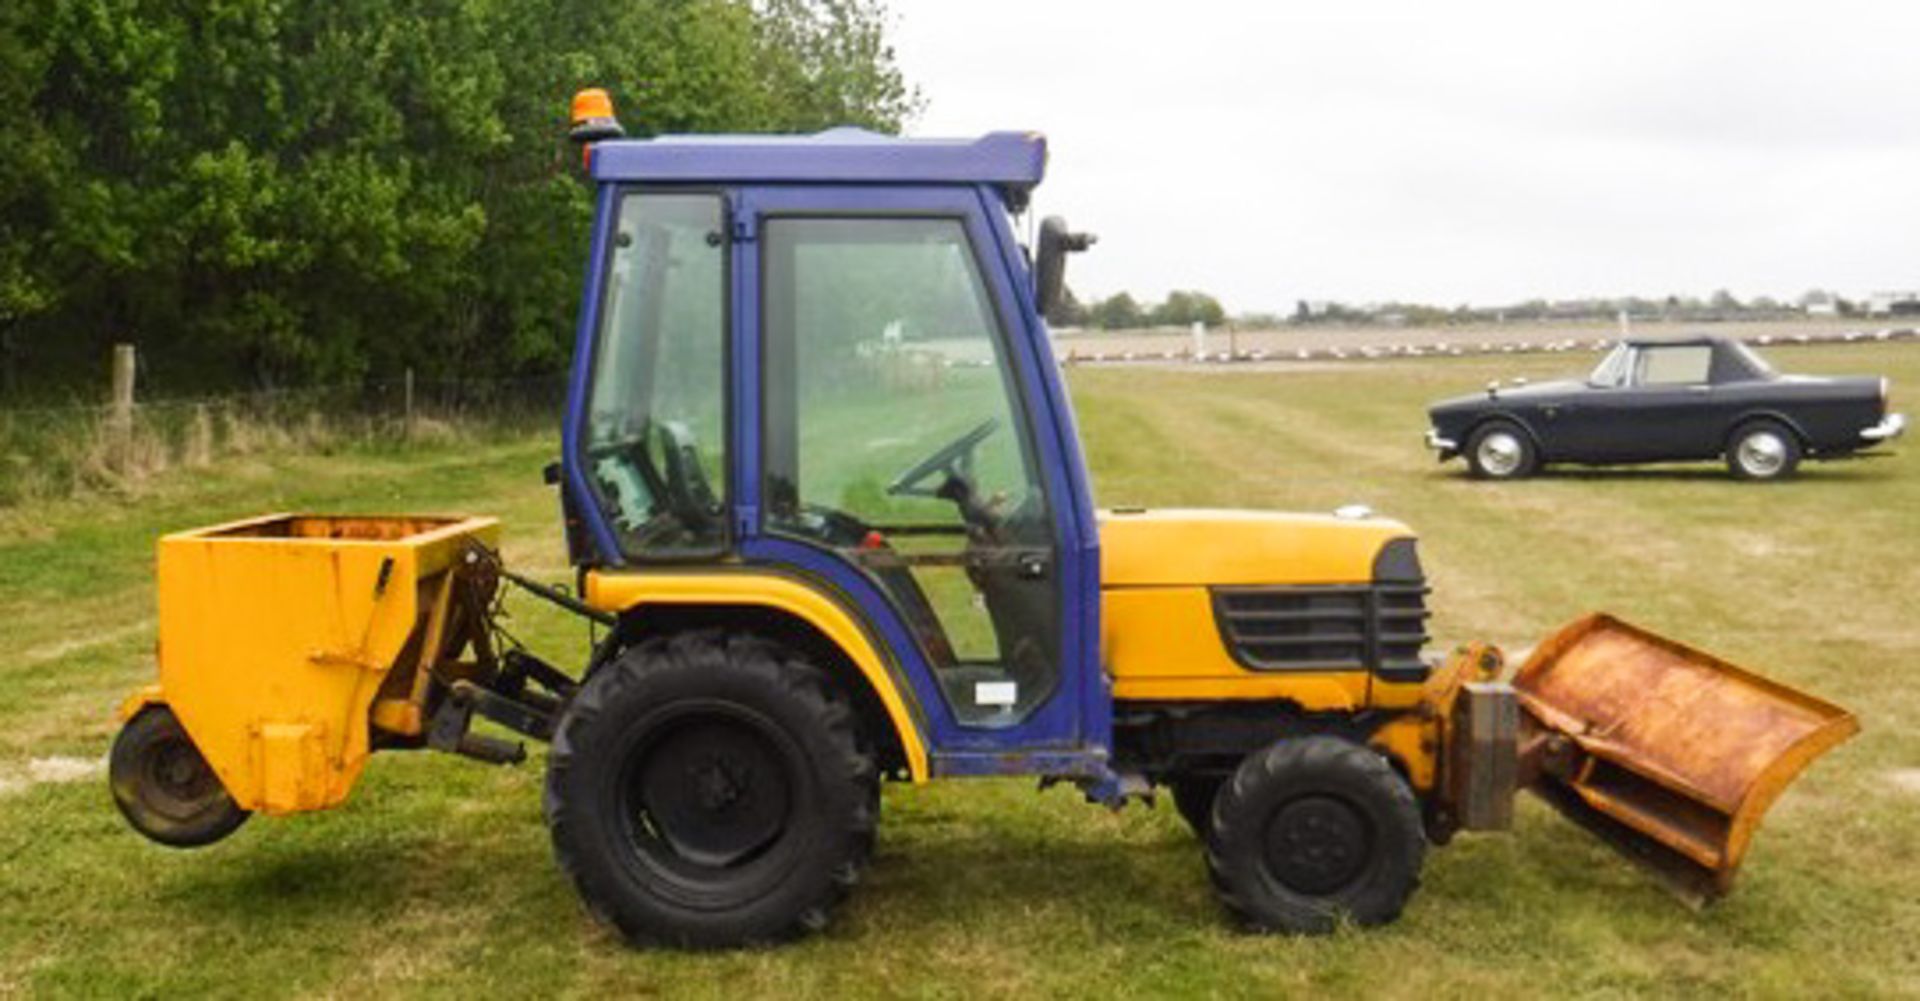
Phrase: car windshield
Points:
(1612, 369)
(1756, 364)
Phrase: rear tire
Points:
(1763, 450)
(1193, 796)
(707, 790)
(1312, 830)
(1501, 450)
(164, 786)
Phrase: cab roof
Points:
(1013, 161)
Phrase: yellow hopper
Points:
(285, 641)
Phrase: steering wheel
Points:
(955, 459)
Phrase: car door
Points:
(909, 454)
(1576, 423)
(1669, 410)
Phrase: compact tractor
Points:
(823, 490)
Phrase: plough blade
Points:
(1666, 752)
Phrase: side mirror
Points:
(1050, 267)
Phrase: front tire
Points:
(708, 790)
(1312, 830)
(1501, 450)
(1763, 450)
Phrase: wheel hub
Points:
(1318, 844)
(708, 792)
(1762, 453)
(718, 782)
(1500, 453)
(179, 783)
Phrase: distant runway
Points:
(1361, 343)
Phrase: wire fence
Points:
(65, 449)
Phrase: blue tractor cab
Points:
(788, 349)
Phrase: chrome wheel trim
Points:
(1500, 453)
(1761, 454)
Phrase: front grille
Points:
(1400, 631)
(1379, 628)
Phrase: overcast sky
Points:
(1484, 152)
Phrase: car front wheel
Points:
(1763, 450)
(1500, 450)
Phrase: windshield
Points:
(1612, 370)
(1756, 365)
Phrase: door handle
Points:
(1024, 564)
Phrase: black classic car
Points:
(1666, 400)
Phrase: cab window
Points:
(655, 434)
(895, 438)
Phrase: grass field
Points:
(436, 878)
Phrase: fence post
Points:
(120, 409)
(200, 443)
(406, 425)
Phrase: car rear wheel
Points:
(1500, 450)
(1763, 450)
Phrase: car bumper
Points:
(1445, 448)
(1887, 430)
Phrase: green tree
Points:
(291, 190)
(1069, 311)
(27, 157)
(1183, 308)
(1118, 312)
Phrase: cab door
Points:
(906, 448)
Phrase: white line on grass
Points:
(49, 652)
(50, 770)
